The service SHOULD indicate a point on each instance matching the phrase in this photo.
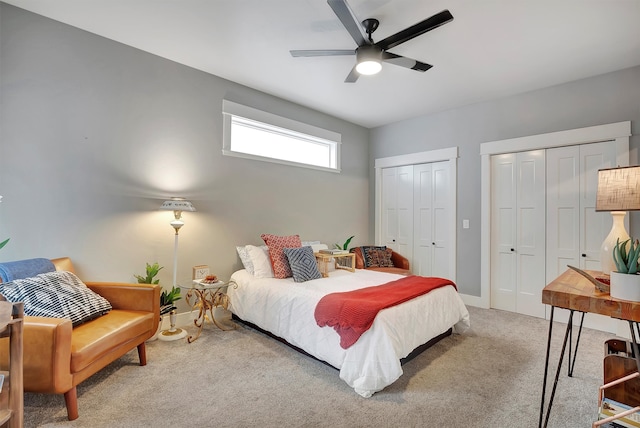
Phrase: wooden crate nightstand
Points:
(347, 261)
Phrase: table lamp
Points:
(618, 192)
(177, 205)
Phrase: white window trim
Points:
(229, 109)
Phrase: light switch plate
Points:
(465, 224)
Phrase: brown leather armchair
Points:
(57, 356)
(400, 263)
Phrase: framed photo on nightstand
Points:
(200, 272)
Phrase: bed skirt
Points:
(417, 351)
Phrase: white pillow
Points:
(318, 246)
(260, 259)
(243, 253)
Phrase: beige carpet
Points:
(490, 376)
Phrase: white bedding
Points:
(286, 309)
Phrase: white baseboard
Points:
(475, 301)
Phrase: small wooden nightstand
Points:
(324, 259)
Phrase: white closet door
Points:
(563, 208)
(404, 240)
(442, 220)
(503, 232)
(575, 230)
(397, 209)
(389, 215)
(432, 220)
(595, 226)
(518, 232)
(423, 218)
(531, 239)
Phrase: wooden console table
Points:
(574, 292)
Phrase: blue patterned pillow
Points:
(303, 263)
(56, 295)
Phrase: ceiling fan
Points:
(369, 55)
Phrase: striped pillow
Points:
(56, 295)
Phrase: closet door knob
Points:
(584, 255)
(433, 243)
(512, 249)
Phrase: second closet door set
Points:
(543, 218)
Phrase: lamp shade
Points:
(618, 189)
(177, 205)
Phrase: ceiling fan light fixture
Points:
(369, 67)
(369, 60)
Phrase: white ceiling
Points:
(492, 48)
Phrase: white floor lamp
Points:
(618, 192)
(176, 205)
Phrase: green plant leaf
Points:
(151, 271)
(626, 259)
(168, 297)
(3, 243)
(347, 242)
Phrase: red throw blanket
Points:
(352, 313)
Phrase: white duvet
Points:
(286, 309)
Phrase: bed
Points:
(285, 309)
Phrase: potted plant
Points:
(625, 281)
(167, 298)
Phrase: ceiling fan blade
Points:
(322, 52)
(353, 76)
(349, 20)
(405, 62)
(415, 30)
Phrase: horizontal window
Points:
(254, 134)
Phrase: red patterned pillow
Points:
(276, 245)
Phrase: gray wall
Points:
(95, 135)
(613, 97)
